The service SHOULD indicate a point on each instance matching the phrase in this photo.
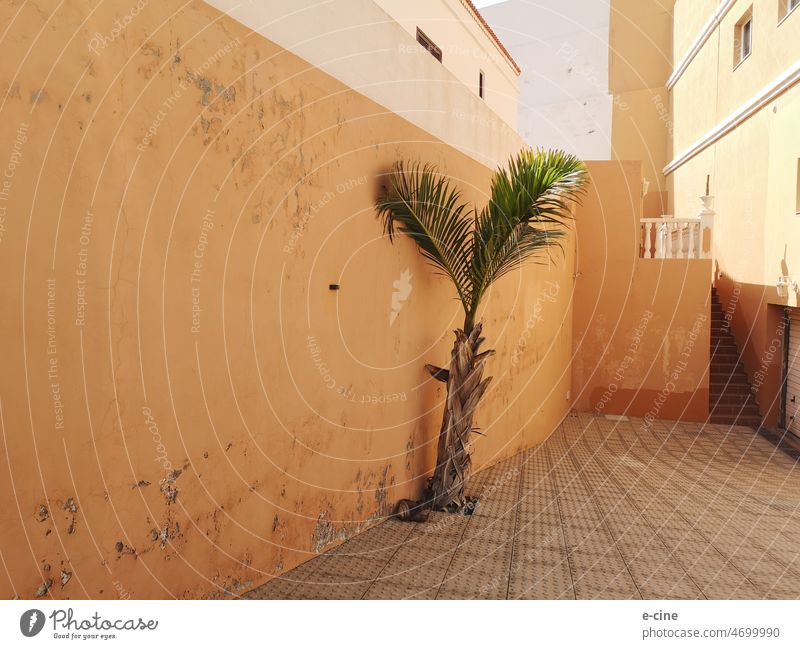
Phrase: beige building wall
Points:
(467, 48)
(361, 45)
(640, 46)
(187, 408)
(738, 126)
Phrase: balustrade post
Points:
(668, 252)
(684, 239)
(656, 241)
(645, 234)
(707, 227)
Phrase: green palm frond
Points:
(530, 206)
(423, 205)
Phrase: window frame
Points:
(743, 47)
(746, 42)
(427, 42)
(786, 8)
(481, 84)
(797, 190)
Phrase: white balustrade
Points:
(678, 238)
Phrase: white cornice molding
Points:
(708, 29)
(768, 93)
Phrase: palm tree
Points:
(530, 204)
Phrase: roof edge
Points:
(471, 8)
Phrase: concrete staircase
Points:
(731, 399)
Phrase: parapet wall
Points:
(642, 327)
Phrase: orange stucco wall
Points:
(641, 326)
(187, 408)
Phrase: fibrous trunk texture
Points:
(465, 387)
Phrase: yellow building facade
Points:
(639, 63)
(735, 102)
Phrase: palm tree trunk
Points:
(465, 387)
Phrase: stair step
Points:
(735, 411)
(727, 361)
(719, 381)
(729, 389)
(737, 392)
(730, 385)
(724, 350)
(729, 395)
(725, 358)
(728, 367)
(728, 399)
(728, 374)
(752, 422)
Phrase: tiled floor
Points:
(604, 509)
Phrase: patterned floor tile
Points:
(602, 510)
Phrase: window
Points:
(785, 7)
(747, 38)
(743, 42)
(482, 80)
(797, 189)
(429, 45)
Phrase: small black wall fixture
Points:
(334, 287)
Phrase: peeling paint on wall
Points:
(254, 466)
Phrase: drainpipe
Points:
(785, 368)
